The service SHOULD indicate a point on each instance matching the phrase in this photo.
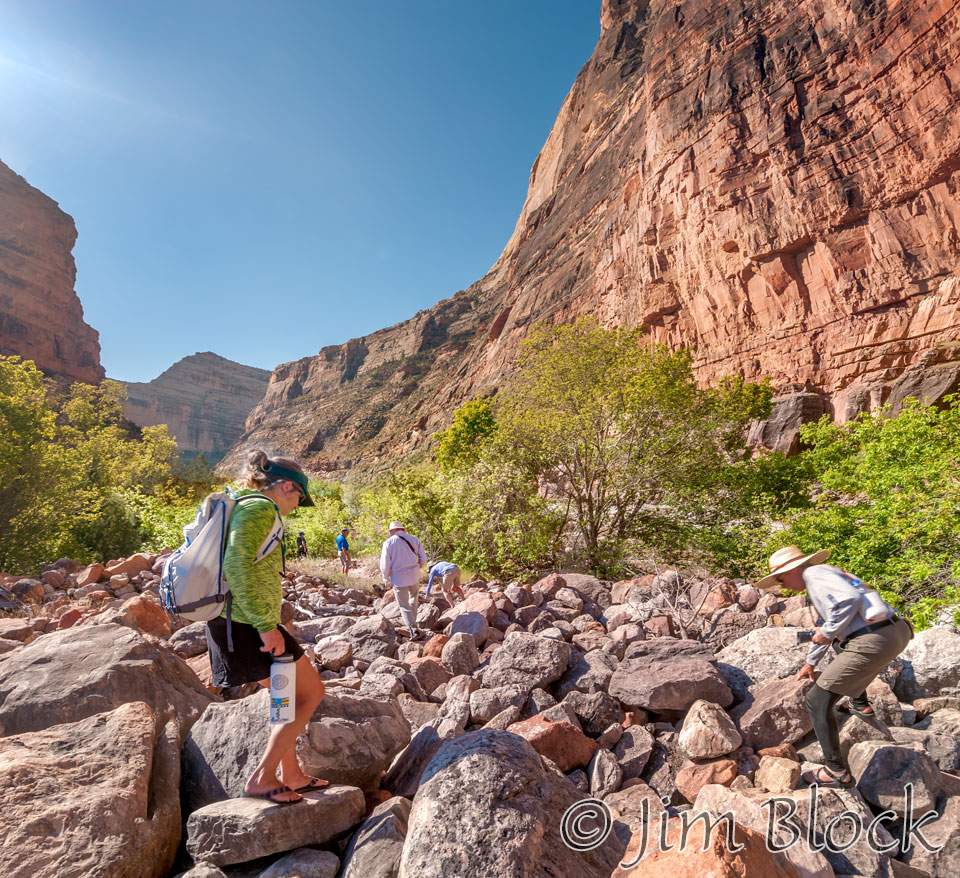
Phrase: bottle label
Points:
(278, 707)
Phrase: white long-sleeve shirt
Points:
(837, 602)
(401, 558)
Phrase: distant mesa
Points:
(204, 399)
(774, 187)
(41, 318)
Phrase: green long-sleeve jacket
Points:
(255, 585)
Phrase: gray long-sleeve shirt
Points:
(837, 602)
(401, 560)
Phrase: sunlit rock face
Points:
(41, 318)
(773, 185)
(204, 399)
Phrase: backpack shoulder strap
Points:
(412, 549)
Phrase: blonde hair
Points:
(255, 478)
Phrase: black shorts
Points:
(247, 663)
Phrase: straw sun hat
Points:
(789, 558)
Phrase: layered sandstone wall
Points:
(204, 399)
(773, 185)
(41, 318)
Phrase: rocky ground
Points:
(458, 755)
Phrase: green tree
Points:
(616, 428)
(459, 445)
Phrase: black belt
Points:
(869, 629)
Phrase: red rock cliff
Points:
(41, 318)
(774, 185)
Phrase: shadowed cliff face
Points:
(41, 318)
(774, 185)
(204, 399)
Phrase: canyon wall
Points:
(773, 185)
(41, 318)
(204, 399)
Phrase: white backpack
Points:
(192, 584)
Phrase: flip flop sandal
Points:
(812, 777)
(271, 796)
(847, 707)
(316, 783)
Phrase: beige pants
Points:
(408, 599)
(866, 656)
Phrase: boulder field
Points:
(537, 729)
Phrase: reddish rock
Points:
(151, 617)
(16, 629)
(99, 595)
(661, 626)
(429, 671)
(130, 566)
(89, 575)
(433, 648)
(41, 318)
(776, 714)
(200, 665)
(54, 578)
(691, 779)
(69, 618)
(550, 585)
(782, 751)
(560, 742)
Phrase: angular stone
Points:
(760, 657)
(708, 732)
(69, 675)
(493, 785)
(108, 783)
(931, 665)
(304, 863)
(942, 749)
(943, 834)
(604, 773)
(776, 774)
(693, 778)
(473, 624)
(151, 617)
(591, 672)
(460, 655)
(190, 641)
(633, 751)
(527, 661)
(560, 742)
(238, 830)
(429, 673)
(596, 712)
(882, 771)
(375, 849)
(485, 704)
(333, 652)
(372, 637)
(671, 685)
(776, 714)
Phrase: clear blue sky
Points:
(265, 178)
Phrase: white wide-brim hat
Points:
(395, 525)
(789, 558)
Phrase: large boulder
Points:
(761, 656)
(669, 649)
(931, 665)
(882, 770)
(667, 685)
(943, 834)
(708, 732)
(459, 654)
(942, 749)
(488, 805)
(243, 829)
(351, 739)
(69, 675)
(775, 714)
(560, 742)
(591, 672)
(94, 797)
(375, 849)
(372, 637)
(596, 712)
(527, 661)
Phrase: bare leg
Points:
(281, 751)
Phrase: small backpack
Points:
(192, 585)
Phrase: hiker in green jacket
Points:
(253, 567)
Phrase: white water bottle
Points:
(283, 686)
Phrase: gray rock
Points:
(668, 649)
(596, 712)
(498, 788)
(943, 834)
(460, 654)
(527, 661)
(375, 849)
(591, 672)
(775, 714)
(882, 770)
(942, 749)
(485, 704)
(667, 685)
(371, 637)
(304, 863)
(708, 732)
(761, 656)
(238, 830)
(633, 750)
(931, 665)
(473, 624)
(605, 774)
(190, 641)
(351, 739)
(403, 776)
(85, 670)
(503, 720)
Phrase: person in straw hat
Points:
(401, 558)
(866, 635)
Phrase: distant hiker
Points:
(253, 566)
(401, 558)
(449, 575)
(301, 545)
(343, 551)
(866, 635)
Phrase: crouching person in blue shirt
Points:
(449, 576)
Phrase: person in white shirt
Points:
(866, 635)
(401, 558)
